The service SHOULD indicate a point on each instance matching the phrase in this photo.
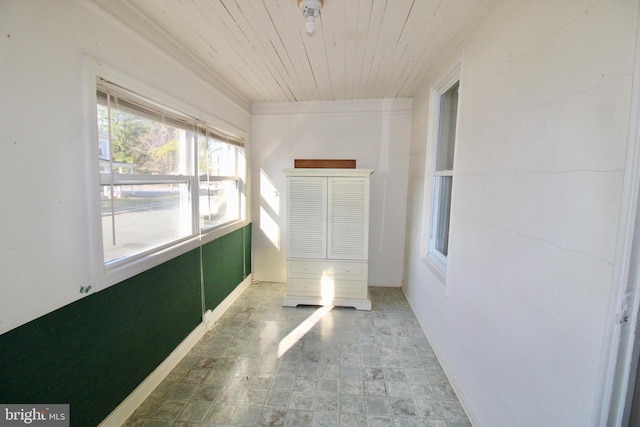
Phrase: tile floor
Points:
(267, 365)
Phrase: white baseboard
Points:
(474, 416)
(120, 415)
(211, 317)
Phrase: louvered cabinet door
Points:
(327, 237)
(348, 221)
(307, 217)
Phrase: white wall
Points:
(47, 244)
(540, 157)
(375, 133)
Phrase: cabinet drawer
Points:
(326, 289)
(329, 269)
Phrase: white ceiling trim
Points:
(373, 106)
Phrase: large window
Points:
(151, 196)
(442, 179)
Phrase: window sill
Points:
(218, 231)
(125, 270)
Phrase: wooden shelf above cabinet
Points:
(325, 163)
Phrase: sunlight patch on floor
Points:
(294, 336)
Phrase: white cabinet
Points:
(328, 237)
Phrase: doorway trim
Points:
(620, 348)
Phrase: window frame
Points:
(106, 274)
(113, 177)
(238, 179)
(434, 179)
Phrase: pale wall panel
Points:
(48, 250)
(375, 133)
(542, 136)
(577, 57)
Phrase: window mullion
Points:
(140, 179)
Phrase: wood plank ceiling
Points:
(361, 49)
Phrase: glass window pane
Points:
(216, 158)
(219, 199)
(140, 144)
(144, 217)
(443, 212)
(447, 128)
(219, 202)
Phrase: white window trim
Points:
(436, 261)
(433, 253)
(103, 276)
(241, 187)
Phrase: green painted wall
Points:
(94, 352)
(220, 278)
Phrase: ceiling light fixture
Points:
(310, 10)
